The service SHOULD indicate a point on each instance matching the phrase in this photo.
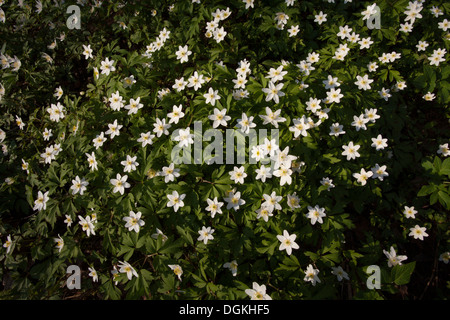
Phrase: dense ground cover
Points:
(357, 176)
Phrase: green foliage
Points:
(362, 218)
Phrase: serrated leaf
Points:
(401, 274)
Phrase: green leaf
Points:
(426, 190)
(401, 274)
(444, 199)
(445, 167)
(170, 247)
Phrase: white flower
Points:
(334, 95)
(134, 106)
(379, 143)
(183, 53)
(170, 173)
(437, 57)
(336, 129)
(379, 172)
(219, 117)
(56, 112)
(276, 74)
(422, 46)
(371, 115)
(362, 176)
(313, 104)
(270, 147)
(351, 151)
(274, 92)
(177, 270)
(8, 243)
(214, 206)
(287, 242)
(87, 51)
(134, 221)
(257, 153)
(107, 66)
(360, 122)
(219, 34)
(180, 84)
(363, 82)
(49, 154)
(311, 275)
(41, 202)
(129, 164)
(47, 134)
(78, 185)
(59, 243)
(327, 182)
(444, 150)
(293, 201)
(281, 17)
(284, 173)
(406, 27)
(232, 266)
(320, 18)
(272, 117)
(87, 225)
(184, 138)
(114, 129)
(409, 212)
(365, 43)
(344, 31)
(205, 234)
(418, 232)
(238, 174)
(99, 140)
(373, 66)
(315, 214)
(125, 267)
(116, 101)
(258, 292)
(25, 166)
(68, 220)
(146, 138)
(272, 201)
(444, 25)
(58, 93)
(429, 96)
(293, 30)
(161, 127)
(263, 173)
(211, 96)
(120, 183)
(248, 3)
(234, 200)
(196, 81)
(283, 158)
(175, 200)
(128, 81)
(339, 273)
(264, 212)
(245, 123)
(176, 114)
(445, 257)
(393, 259)
(159, 233)
(93, 274)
